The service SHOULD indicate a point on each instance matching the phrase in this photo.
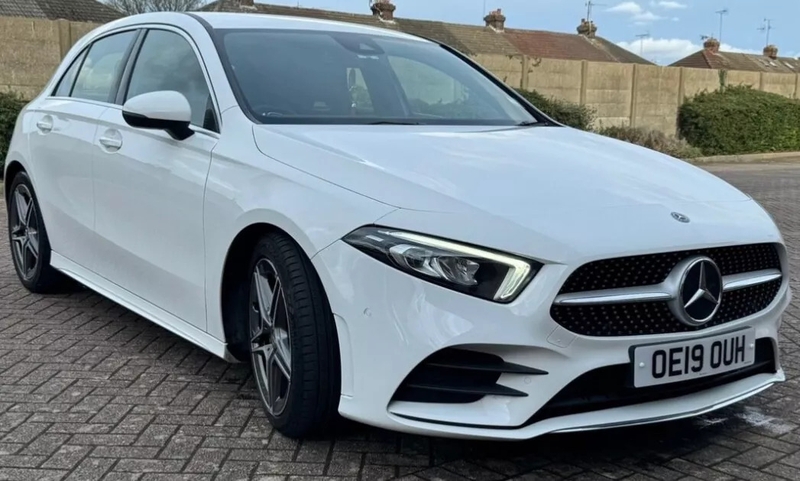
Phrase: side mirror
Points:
(164, 110)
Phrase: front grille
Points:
(648, 318)
(611, 387)
(651, 269)
(459, 376)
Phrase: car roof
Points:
(220, 20)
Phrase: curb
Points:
(748, 158)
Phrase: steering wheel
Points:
(267, 110)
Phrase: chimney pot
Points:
(711, 44)
(771, 51)
(383, 9)
(587, 29)
(496, 20)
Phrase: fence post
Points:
(681, 87)
(526, 67)
(761, 81)
(796, 86)
(634, 100)
(64, 37)
(584, 80)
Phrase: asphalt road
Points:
(88, 390)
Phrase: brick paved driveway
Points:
(89, 391)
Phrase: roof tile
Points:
(73, 10)
(470, 39)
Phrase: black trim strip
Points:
(112, 95)
(125, 79)
(506, 367)
(495, 390)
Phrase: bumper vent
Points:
(610, 387)
(654, 317)
(459, 376)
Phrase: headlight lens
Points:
(482, 273)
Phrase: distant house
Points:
(73, 10)
(712, 58)
(493, 38)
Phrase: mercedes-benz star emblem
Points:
(699, 291)
(680, 217)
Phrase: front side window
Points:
(167, 61)
(333, 77)
(102, 67)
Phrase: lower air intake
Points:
(459, 376)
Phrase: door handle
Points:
(111, 143)
(45, 125)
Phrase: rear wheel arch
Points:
(14, 167)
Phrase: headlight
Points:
(470, 270)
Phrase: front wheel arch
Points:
(235, 270)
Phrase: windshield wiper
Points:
(393, 122)
(530, 123)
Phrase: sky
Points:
(674, 27)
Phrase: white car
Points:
(388, 233)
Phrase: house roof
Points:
(73, 10)
(469, 39)
(710, 59)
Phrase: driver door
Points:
(149, 187)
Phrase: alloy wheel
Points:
(24, 231)
(270, 340)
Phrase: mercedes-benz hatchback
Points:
(389, 233)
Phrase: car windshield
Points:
(321, 77)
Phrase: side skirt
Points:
(141, 307)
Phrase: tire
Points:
(30, 246)
(294, 350)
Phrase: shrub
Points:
(740, 120)
(653, 139)
(567, 113)
(10, 106)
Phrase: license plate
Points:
(681, 361)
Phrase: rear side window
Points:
(68, 80)
(102, 67)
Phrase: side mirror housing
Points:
(165, 110)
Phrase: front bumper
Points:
(389, 322)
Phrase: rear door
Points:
(62, 144)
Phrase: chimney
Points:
(247, 3)
(496, 20)
(771, 51)
(587, 29)
(711, 44)
(383, 9)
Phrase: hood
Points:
(506, 172)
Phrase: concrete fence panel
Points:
(562, 79)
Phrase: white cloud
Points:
(639, 15)
(646, 17)
(627, 7)
(670, 5)
(667, 50)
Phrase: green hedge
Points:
(653, 139)
(740, 120)
(10, 105)
(567, 113)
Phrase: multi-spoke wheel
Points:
(24, 223)
(30, 247)
(292, 339)
(271, 342)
